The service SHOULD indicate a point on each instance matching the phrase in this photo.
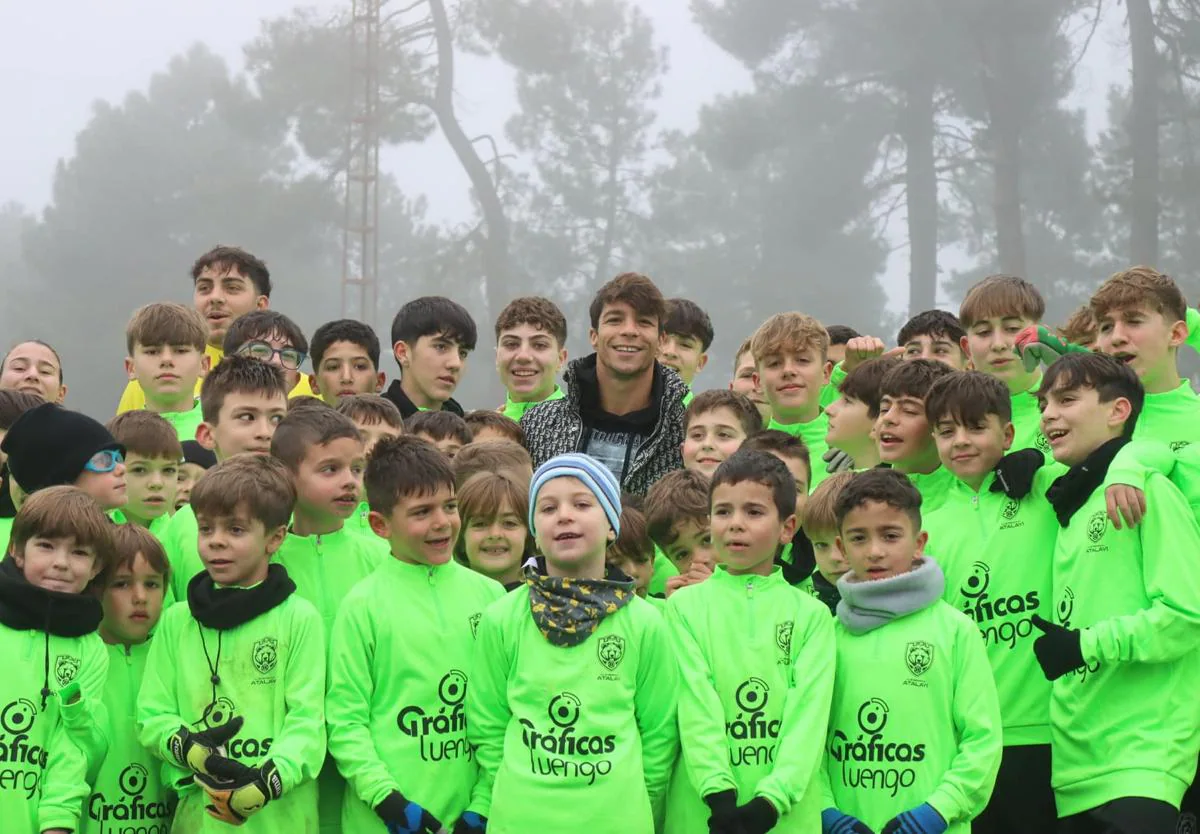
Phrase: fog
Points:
(860, 161)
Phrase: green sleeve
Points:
(157, 708)
(967, 783)
(488, 713)
(801, 748)
(663, 570)
(1193, 325)
(826, 787)
(86, 720)
(701, 715)
(1136, 460)
(64, 783)
(838, 376)
(654, 705)
(348, 707)
(1170, 627)
(299, 747)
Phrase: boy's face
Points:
(938, 348)
(133, 601)
(879, 541)
(421, 529)
(746, 528)
(684, 353)
(278, 342)
(710, 438)
(791, 382)
(167, 373)
(433, 366)
(571, 528)
(235, 549)
(1076, 422)
(329, 479)
(801, 476)
(222, 296)
(59, 564)
(108, 488)
(34, 369)
(374, 432)
(345, 369)
(626, 342)
(188, 474)
(745, 382)
(850, 423)
(528, 360)
(1146, 341)
(151, 485)
(836, 353)
(971, 452)
(495, 546)
(639, 570)
(245, 424)
(991, 345)
(903, 434)
(448, 446)
(831, 562)
(693, 544)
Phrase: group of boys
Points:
(948, 586)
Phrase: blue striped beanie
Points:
(594, 475)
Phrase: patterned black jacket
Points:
(557, 426)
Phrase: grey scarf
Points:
(868, 605)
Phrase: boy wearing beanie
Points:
(571, 705)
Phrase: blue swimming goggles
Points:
(105, 461)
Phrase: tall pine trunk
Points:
(1143, 134)
(920, 180)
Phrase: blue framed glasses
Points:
(105, 461)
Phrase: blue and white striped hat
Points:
(594, 475)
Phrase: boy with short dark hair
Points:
(852, 415)
(444, 429)
(432, 337)
(753, 712)
(745, 380)
(935, 335)
(839, 335)
(914, 704)
(345, 361)
(398, 675)
(376, 417)
(676, 511)
(531, 347)
(272, 337)
(152, 460)
(790, 353)
(902, 430)
(819, 524)
(795, 557)
(632, 552)
(165, 356)
(687, 336)
(241, 730)
(1127, 612)
(1081, 328)
(715, 425)
(994, 312)
(486, 426)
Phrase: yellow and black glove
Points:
(236, 792)
(195, 750)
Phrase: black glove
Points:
(470, 823)
(236, 791)
(834, 821)
(1015, 473)
(1057, 650)
(723, 819)
(837, 461)
(758, 816)
(404, 817)
(194, 750)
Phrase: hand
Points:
(1124, 501)
(195, 750)
(860, 349)
(404, 817)
(1037, 344)
(920, 820)
(834, 821)
(1015, 473)
(758, 816)
(698, 572)
(235, 791)
(837, 461)
(470, 823)
(723, 809)
(1057, 650)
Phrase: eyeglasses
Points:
(289, 358)
(105, 461)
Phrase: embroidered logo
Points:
(65, 668)
(474, 621)
(1096, 526)
(266, 655)
(611, 651)
(783, 636)
(919, 657)
(1011, 508)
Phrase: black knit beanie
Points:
(49, 445)
(193, 452)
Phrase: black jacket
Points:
(408, 408)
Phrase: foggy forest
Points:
(932, 141)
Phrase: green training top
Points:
(664, 569)
(359, 523)
(758, 657)
(1172, 417)
(400, 666)
(326, 567)
(1027, 421)
(915, 719)
(44, 775)
(185, 423)
(813, 434)
(1125, 725)
(934, 487)
(565, 736)
(515, 411)
(271, 675)
(129, 790)
(181, 541)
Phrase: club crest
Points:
(266, 654)
(611, 651)
(919, 657)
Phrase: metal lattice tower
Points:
(360, 238)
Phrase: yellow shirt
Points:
(134, 398)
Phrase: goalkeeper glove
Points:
(195, 750)
(236, 791)
(1037, 344)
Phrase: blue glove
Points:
(470, 823)
(920, 820)
(834, 821)
(404, 817)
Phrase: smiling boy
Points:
(714, 426)
(902, 430)
(852, 416)
(687, 336)
(531, 347)
(431, 340)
